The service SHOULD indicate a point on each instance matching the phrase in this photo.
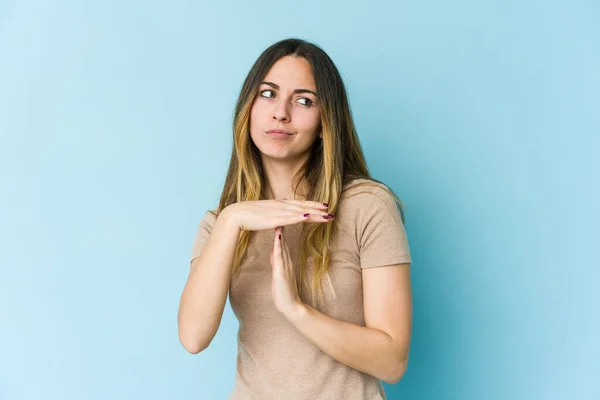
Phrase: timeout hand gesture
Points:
(269, 214)
(284, 289)
(275, 214)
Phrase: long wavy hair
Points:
(336, 159)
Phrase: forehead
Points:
(292, 72)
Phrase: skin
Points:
(380, 348)
(281, 108)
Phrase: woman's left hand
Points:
(285, 292)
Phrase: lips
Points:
(278, 134)
(278, 131)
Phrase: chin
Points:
(276, 155)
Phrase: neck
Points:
(279, 175)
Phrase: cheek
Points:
(257, 119)
(255, 114)
(311, 121)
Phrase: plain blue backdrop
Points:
(115, 133)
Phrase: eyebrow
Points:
(276, 86)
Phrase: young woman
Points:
(311, 250)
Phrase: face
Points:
(286, 101)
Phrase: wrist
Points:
(228, 217)
(297, 312)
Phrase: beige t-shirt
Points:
(275, 361)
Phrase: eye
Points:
(269, 94)
(264, 91)
(308, 101)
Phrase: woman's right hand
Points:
(269, 214)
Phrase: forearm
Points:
(205, 293)
(366, 349)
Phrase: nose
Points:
(281, 112)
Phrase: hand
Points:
(269, 214)
(284, 289)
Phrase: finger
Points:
(282, 258)
(286, 253)
(306, 204)
(320, 212)
(286, 210)
(307, 216)
(284, 243)
(274, 257)
(284, 247)
(320, 217)
(292, 218)
(277, 256)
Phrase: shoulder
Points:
(209, 218)
(364, 199)
(364, 192)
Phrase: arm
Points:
(381, 348)
(205, 292)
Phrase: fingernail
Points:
(326, 204)
(306, 215)
(328, 216)
(280, 236)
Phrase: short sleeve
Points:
(383, 240)
(202, 234)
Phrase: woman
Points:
(311, 250)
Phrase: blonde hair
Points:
(334, 161)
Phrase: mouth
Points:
(278, 133)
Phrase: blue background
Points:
(115, 121)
